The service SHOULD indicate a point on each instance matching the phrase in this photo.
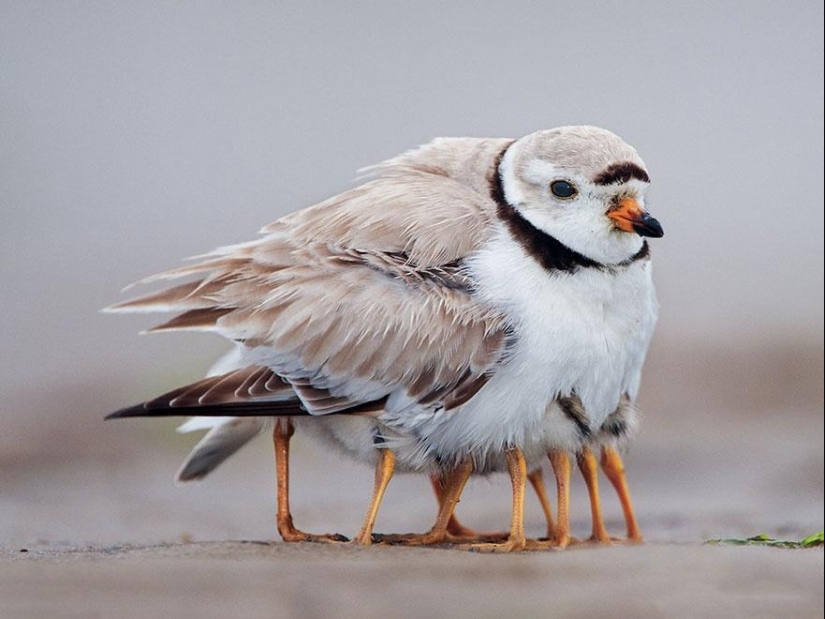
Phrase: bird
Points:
(488, 301)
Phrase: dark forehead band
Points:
(621, 173)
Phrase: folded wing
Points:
(359, 300)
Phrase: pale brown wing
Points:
(364, 295)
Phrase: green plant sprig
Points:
(763, 539)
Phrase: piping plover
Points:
(487, 300)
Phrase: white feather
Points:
(195, 424)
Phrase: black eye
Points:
(563, 189)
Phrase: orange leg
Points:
(456, 532)
(517, 467)
(448, 491)
(561, 467)
(454, 527)
(590, 471)
(613, 467)
(281, 435)
(383, 474)
(537, 481)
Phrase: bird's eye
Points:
(563, 189)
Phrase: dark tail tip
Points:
(132, 411)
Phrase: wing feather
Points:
(241, 392)
(361, 296)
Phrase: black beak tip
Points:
(649, 227)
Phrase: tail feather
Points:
(217, 445)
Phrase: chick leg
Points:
(457, 532)
(590, 471)
(454, 528)
(280, 437)
(383, 474)
(517, 467)
(561, 468)
(448, 492)
(614, 469)
(537, 481)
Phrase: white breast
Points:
(586, 332)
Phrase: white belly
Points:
(586, 332)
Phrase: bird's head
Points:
(585, 187)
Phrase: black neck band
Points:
(551, 253)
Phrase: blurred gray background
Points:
(134, 134)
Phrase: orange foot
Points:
(294, 535)
(453, 535)
(511, 545)
(430, 538)
(460, 534)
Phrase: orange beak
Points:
(631, 217)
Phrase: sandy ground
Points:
(226, 579)
(107, 533)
